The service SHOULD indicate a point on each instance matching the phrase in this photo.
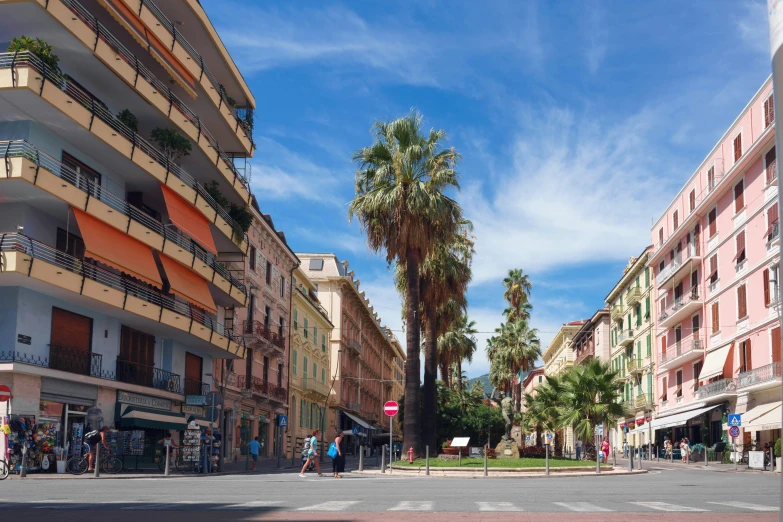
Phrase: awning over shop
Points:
(204, 423)
(110, 246)
(713, 363)
(358, 420)
(767, 421)
(679, 419)
(135, 416)
(188, 219)
(187, 284)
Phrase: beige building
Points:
(592, 341)
(632, 336)
(362, 350)
(310, 370)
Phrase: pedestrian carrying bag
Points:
(332, 453)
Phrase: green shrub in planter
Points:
(777, 448)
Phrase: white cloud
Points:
(596, 33)
(753, 25)
(332, 240)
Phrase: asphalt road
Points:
(675, 493)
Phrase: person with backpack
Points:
(310, 449)
(93, 438)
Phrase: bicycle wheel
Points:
(3, 469)
(76, 465)
(112, 465)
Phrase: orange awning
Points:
(110, 246)
(187, 284)
(188, 219)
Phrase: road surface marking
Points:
(146, 507)
(333, 505)
(665, 506)
(746, 505)
(497, 506)
(412, 505)
(249, 505)
(582, 507)
(66, 506)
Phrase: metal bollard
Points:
(640, 458)
(166, 472)
(97, 461)
(293, 454)
(427, 458)
(361, 458)
(630, 458)
(614, 458)
(383, 459)
(547, 458)
(706, 458)
(23, 469)
(598, 457)
(657, 454)
(485, 462)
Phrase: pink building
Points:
(715, 261)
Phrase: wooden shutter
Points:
(746, 363)
(742, 303)
(740, 255)
(711, 178)
(769, 112)
(715, 318)
(711, 218)
(193, 368)
(675, 219)
(71, 342)
(660, 236)
(739, 196)
(770, 161)
(738, 147)
(777, 346)
(766, 287)
(772, 216)
(713, 268)
(663, 346)
(692, 200)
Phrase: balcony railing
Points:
(356, 345)
(195, 387)
(266, 340)
(74, 360)
(774, 233)
(314, 385)
(633, 295)
(21, 148)
(721, 387)
(264, 388)
(355, 406)
(88, 269)
(678, 303)
(99, 110)
(624, 337)
(244, 115)
(143, 375)
(768, 373)
(679, 349)
(642, 400)
(634, 366)
(691, 251)
(617, 312)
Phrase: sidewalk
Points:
(495, 473)
(677, 464)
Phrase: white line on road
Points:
(334, 505)
(146, 507)
(582, 507)
(412, 505)
(665, 506)
(249, 505)
(497, 506)
(746, 505)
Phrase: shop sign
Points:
(196, 400)
(24, 339)
(198, 411)
(144, 401)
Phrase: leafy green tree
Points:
(455, 345)
(518, 289)
(172, 143)
(42, 50)
(129, 120)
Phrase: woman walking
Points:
(338, 460)
(685, 450)
(312, 455)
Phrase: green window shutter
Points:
(647, 277)
(315, 335)
(306, 328)
(301, 413)
(295, 358)
(323, 375)
(649, 384)
(649, 345)
(304, 368)
(647, 307)
(323, 342)
(296, 319)
(315, 371)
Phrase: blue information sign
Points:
(735, 419)
(282, 421)
(355, 430)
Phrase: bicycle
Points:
(4, 469)
(108, 464)
(177, 462)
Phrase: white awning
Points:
(770, 420)
(679, 419)
(358, 420)
(713, 363)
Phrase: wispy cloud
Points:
(753, 25)
(597, 37)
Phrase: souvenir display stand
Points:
(191, 444)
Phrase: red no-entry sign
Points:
(5, 393)
(391, 408)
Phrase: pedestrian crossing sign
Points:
(282, 421)
(735, 419)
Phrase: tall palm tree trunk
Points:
(459, 374)
(411, 428)
(444, 371)
(429, 409)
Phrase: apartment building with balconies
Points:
(122, 173)
(363, 351)
(632, 334)
(311, 372)
(592, 341)
(256, 389)
(716, 263)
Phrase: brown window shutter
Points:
(771, 102)
(766, 113)
(766, 287)
(739, 196)
(738, 147)
(711, 178)
(675, 219)
(663, 345)
(772, 214)
(742, 304)
(712, 222)
(660, 236)
(748, 356)
(770, 160)
(692, 200)
(715, 318)
(777, 346)
(739, 256)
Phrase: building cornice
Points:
(632, 272)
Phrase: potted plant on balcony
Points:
(173, 144)
(42, 50)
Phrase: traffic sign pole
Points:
(390, 408)
(391, 426)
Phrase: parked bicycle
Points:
(176, 461)
(4, 469)
(78, 465)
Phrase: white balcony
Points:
(680, 353)
(681, 261)
(625, 337)
(681, 308)
(717, 391)
(761, 378)
(617, 312)
(633, 296)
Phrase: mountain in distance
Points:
(484, 382)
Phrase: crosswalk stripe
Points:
(746, 505)
(582, 507)
(249, 505)
(412, 505)
(497, 506)
(146, 507)
(333, 505)
(665, 506)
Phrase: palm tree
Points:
(455, 345)
(401, 205)
(518, 289)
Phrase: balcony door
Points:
(137, 357)
(696, 326)
(678, 339)
(71, 342)
(194, 365)
(87, 179)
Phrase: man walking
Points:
(578, 449)
(253, 447)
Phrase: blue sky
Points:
(577, 121)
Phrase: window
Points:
(771, 166)
(304, 367)
(712, 222)
(769, 111)
(296, 319)
(267, 317)
(316, 264)
(678, 392)
(692, 200)
(647, 277)
(649, 345)
(315, 335)
(302, 413)
(252, 258)
(282, 286)
(281, 327)
(665, 391)
(269, 273)
(323, 375)
(772, 222)
(323, 342)
(742, 303)
(745, 362)
(540, 378)
(695, 283)
(296, 357)
(647, 307)
(675, 220)
(739, 197)
(738, 147)
(767, 298)
(639, 314)
(87, 179)
(711, 178)
(713, 277)
(70, 244)
(777, 345)
(696, 373)
(279, 375)
(715, 318)
(660, 236)
(315, 371)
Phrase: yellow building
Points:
(310, 372)
(631, 340)
(557, 357)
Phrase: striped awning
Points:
(135, 416)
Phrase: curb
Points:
(480, 475)
(572, 469)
